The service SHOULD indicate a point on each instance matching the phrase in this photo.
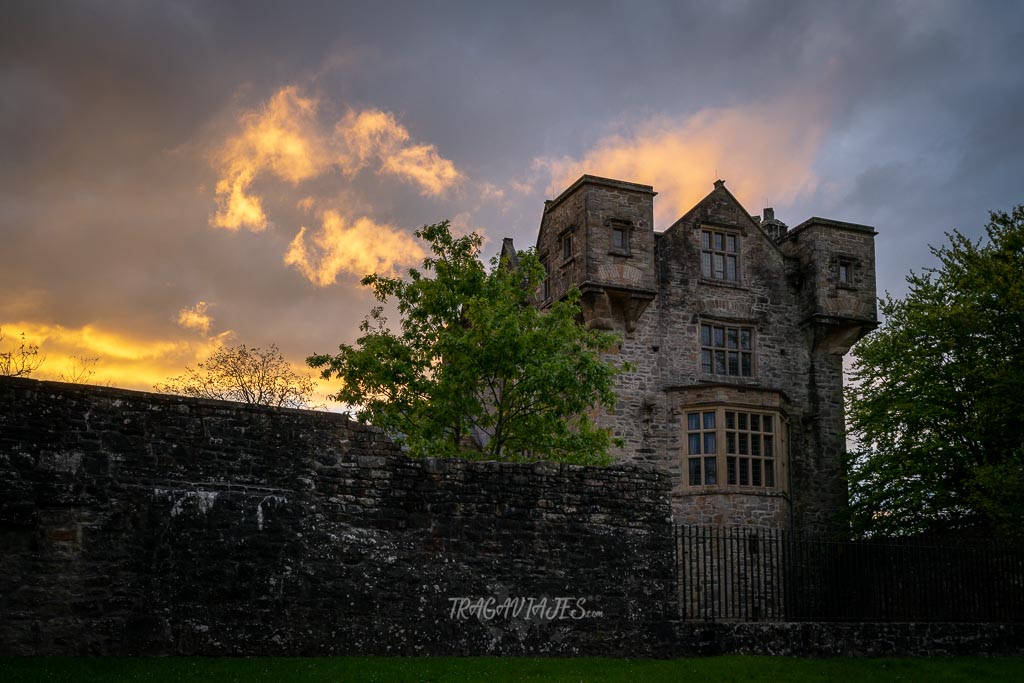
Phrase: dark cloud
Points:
(110, 112)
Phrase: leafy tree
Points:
(473, 360)
(20, 360)
(244, 374)
(937, 401)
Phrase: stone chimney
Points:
(775, 228)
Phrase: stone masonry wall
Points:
(817, 639)
(134, 523)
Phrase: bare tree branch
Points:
(247, 375)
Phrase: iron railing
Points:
(772, 575)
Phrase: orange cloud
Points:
(196, 318)
(123, 360)
(422, 165)
(281, 137)
(357, 247)
(763, 150)
(369, 134)
(375, 134)
(128, 360)
(286, 139)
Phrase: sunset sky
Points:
(179, 175)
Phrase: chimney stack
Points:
(771, 225)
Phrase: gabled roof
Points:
(720, 192)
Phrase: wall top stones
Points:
(44, 417)
(551, 204)
(830, 223)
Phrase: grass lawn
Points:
(352, 669)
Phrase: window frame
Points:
(711, 350)
(728, 247)
(849, 265)
(619, 230)
(736, 460)
(701, 447)
(625, 228)
(566, 246)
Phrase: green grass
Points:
(397, 669)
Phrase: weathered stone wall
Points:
(134, 523)
(817, 639)
(762, 510)
(821, 244)
(835, 314)
(561, 218)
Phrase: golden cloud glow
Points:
(124, 360)
(375, 134)
(286, 139)
(764, 151)
(423, 166)
(369, 134)
(195, 318)
(357, 247)
(306, 204)
(282, 137)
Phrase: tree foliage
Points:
(247, 375)
(937, 399)
(21, 359)
(472, 360)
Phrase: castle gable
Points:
(718, 243)
(720, 208)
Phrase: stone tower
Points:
(735, 328)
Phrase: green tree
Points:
(247, 375)
(936, 400)
(473, 361)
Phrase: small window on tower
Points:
(845, 272)
(567, 246)
(619, 239)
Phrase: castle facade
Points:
(735, 328)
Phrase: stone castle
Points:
(735, 327)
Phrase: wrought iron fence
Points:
(773, 575)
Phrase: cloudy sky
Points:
(179, 175)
